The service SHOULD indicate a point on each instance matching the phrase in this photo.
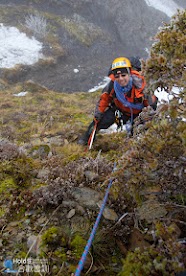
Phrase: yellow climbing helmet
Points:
(121, 62)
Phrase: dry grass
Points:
(44, 113)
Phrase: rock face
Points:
(151, 210)
(107, 29)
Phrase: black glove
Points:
(98, 116)
(152, 101)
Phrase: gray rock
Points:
(108, 213)
(151, 210)
(86, 197)
(43, 173)
(90, 176)
(71, 213)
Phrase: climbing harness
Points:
(92, 234)
(119, 120)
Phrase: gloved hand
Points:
(151, 100)
(96, 121)
(97, 116)
(147, 114)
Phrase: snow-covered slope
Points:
(169, 7)
(17, 48)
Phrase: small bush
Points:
(37, 24)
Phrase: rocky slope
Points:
(89, 35)
(51, 188)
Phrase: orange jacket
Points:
(136, 95)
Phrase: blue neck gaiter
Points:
(121, 92)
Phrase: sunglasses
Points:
(123, 75)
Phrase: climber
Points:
(124, 93)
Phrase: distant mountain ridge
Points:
(108, 28)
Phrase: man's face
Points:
(122, 78)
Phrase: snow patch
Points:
(163, 96)
(100, 85)
(76, 70)
(113, 129)
(21, 94)
(169, 7)
(17, 48)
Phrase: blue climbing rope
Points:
(92, 234)
(129, 123)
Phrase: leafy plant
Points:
(165, 67)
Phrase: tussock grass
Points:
(45, 112)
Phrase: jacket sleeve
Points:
(139, 83)
(140, 96)
(104, 101)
